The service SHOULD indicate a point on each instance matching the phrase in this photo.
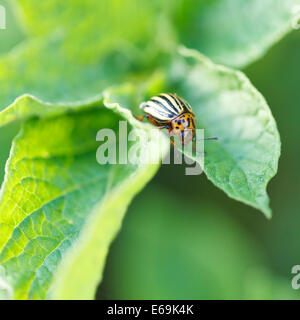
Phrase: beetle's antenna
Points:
(213, 138)
(204, 152)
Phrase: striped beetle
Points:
(169, 111)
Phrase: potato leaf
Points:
(227, 106)
(59, 208)
(45, 69)
(231, 32)
(234, 32)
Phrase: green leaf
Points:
(78, 60)
(45, 63)
(233, 32)
(42, 17)
(227, 106)
(52, 201)
(6, 136)
(28, 106)
(59, 208)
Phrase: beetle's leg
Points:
(194, 149)
(140, 118)
(197, 152)
(172, 142)
(195, 144)
(151, 120)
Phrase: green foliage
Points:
(58, 206)
(233, 32)
(13, 33)
(59, 209)
(226, 105)
(277, 76)
(226, 30)
(178, 250)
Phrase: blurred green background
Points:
(187, 240)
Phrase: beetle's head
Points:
(184, 126)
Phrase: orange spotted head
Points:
(184, 125)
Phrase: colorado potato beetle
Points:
(169, 111)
